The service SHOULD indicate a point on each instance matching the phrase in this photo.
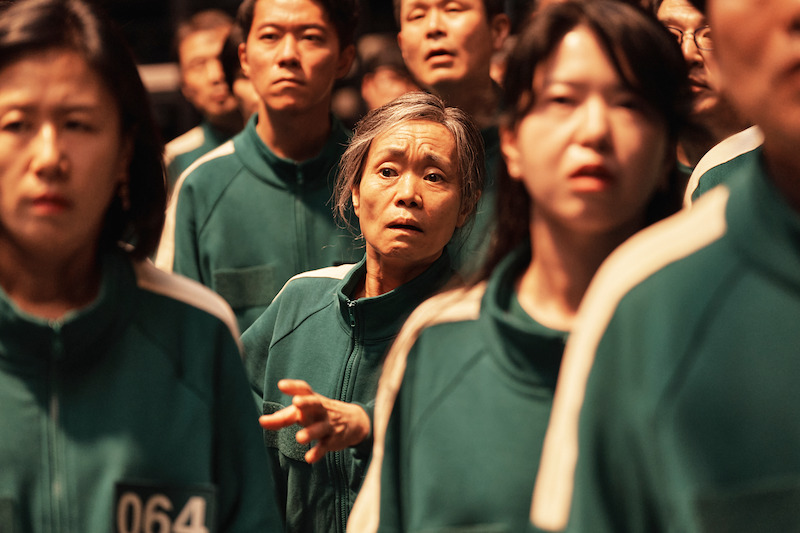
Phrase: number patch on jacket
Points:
(151, 508)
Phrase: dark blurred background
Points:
(149, 25)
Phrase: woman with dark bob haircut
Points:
(37, 26)
(124, 397)
(412, 174)
(594, 99)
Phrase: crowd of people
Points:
(490, 302)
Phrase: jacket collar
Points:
(762, 225)
(261, 161)
(214, 136)
(528, 351)
(380, 317)
(33, 343)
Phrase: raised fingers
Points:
(280, 419)
(293, 387)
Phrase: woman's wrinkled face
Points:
(62, 153)
(590, 152)
(409, 199)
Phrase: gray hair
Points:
(410, 107)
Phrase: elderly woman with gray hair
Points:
(412, 175)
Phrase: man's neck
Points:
(293, 135)
(784, 168)
(228, 124)
(480, 99)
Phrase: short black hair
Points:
(343, 14)
(31, 26)
(208, 19)
(377, 50)
(700, 5)
(229, 56)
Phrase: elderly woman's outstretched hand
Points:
(334, 424)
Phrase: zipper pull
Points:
(58, 343)
(351, 308)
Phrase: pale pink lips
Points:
(405, 225)
(439, 55)
(51, 203)
(591, 177)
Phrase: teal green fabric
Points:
(723, 172)
(212, 137)
(136, 388)
(314, 331)
(689, 422)
(684, 173)
(470, 245)
(249, 220)
(465, 436)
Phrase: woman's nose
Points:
(407, 193)
(48, 160)
(593, 124)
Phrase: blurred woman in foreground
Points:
(124, 398)
(593, 106)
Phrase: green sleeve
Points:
(394, 497)
(247, 496)
(612, 492)
(257, 340)
(363, 450)
(187, 254)
(391, 503)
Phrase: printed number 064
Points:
(152, 517)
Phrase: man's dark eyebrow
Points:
(302, 27)
(62, 109)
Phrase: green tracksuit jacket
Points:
(463, 441)
(718, 164)
(243, 220)
(130, 414)
(314, 331)
(185, 149)
(692, 334)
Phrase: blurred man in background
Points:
(199, 41)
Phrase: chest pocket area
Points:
(246, 287)
(284, 440)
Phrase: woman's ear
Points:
(123, 189)
(355, 196)
(510, 150)
(501, 27)
(466, 211)
(124, 160)
(346, 57)
(243, 59)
